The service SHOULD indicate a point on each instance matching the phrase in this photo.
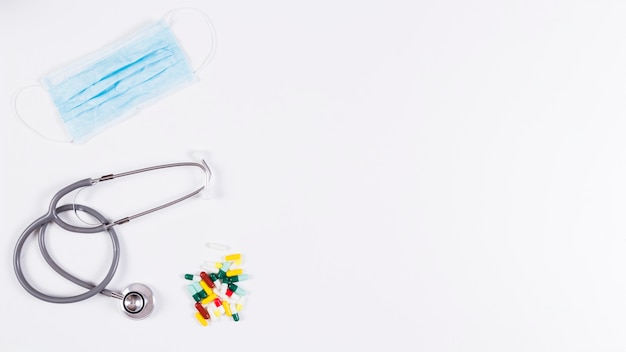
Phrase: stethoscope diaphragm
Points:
(137, 301)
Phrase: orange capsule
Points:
(207, 279)
(202, 311)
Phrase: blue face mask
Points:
(98, 91)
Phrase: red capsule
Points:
(202, 311)
(229, 293)
(217, 302)
(207, 280)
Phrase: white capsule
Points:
(210, 269)
(213, 263)
(234, 311)
(235, 297)
(222, 296)
(223, 289)
(221, 308)
(215, 313)
(240, 303)
(236, 264)
(191, 277)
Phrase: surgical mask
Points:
(98, 91)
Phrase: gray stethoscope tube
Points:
(137, 300)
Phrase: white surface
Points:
(417, 176)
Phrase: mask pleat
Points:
(98, 92)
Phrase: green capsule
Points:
(236, 278)
(194, 293)
(236, 316)
(200, 290)
(222, 273)
(236, 289)
(189, 276)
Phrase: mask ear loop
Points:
(17, 114)
(170, 15)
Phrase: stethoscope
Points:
(137, 300)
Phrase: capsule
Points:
(227, 309)
(235, 312)
(213, 277)
(202, 311)
(201, 319)
(207, 300)
(219, 306)
(206, 287)
(240, 304)
(221, 295)
(236, 289)
(232, 257)
(234, 272)
(192, 277)
(223, 271)
(207, 279)
(216, 312)
(210, 268)
(231, 294)
(213, 264)
(216, 281)
(236, 278)
(200, 290)
(223, 290)
(194, 293)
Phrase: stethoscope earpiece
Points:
(137, 301)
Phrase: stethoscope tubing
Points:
(39, 226)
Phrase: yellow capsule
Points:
(239, 307)
(234, 272)
(226, 306)
(218, 265)
(211, 297)
(201, 320)
(238, 262)
(206, 287)
(232, 257)
(216, 312)
(206, 301)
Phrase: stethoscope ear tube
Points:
(88, 182)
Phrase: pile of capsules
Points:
(215, 291)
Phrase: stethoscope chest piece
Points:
(137, 301)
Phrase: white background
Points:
(406, 176)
